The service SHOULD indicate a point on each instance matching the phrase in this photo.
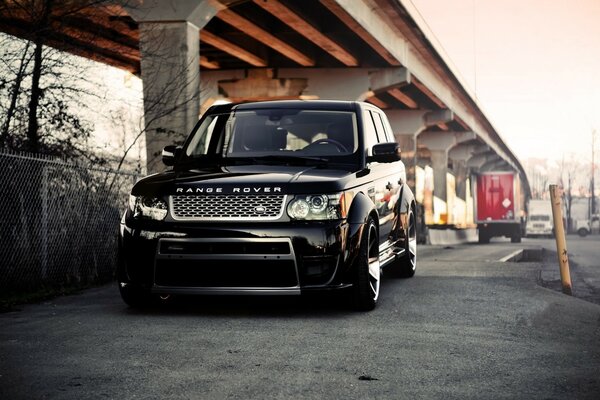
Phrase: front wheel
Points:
(134, 296)
(368, 270)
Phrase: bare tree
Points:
(40, 86)
(568, 179)
(537, 174)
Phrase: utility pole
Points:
(592, 194)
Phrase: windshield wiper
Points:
(292, 159)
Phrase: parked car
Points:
(585, 226)
(278, 198)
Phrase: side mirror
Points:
(385, 153)
(169, 154)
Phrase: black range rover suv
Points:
(277, 198)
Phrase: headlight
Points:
(317, 206)
(147, 207)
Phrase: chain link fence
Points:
(58, 222)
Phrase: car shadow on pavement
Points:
(325, 305)
(318, 304)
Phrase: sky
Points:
(533, 65)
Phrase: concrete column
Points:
(439, 163)
(440, 143)
(407, 125)
(459, 155)
(170, 63)
(476, 162)
(461, 173)
(478, 157)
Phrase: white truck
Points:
(539, 218)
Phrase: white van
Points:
(539, 219)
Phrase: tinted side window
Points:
(389, 137)
(379, 127)
(371, 138)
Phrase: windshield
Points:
(276, 132)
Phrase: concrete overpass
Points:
(192, 53)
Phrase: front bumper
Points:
(538, 231)
(261, 258)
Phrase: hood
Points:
(248, 179)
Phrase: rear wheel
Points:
(368, 271)
(582, 232)
(483, 237)
(406, 266)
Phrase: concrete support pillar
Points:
(478, 160)
(459, 155)
(461, 173)
(439, 163)
(478, 157)
(440, 143)
(407, 125)
(170, 50)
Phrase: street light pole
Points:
(592, 194)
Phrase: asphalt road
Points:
(466, 326)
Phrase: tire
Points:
(136, 297)
(368, 272)
(406, 266)
(582, 232)
(483, 237)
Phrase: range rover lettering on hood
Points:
(228, 190)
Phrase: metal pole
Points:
(561, 241)
(592, 198)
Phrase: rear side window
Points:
(389, 136)
(379, 127)
(371, 138)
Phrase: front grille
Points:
(226, 273)
(227, 207)
(225, 263)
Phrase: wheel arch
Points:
(361, 209)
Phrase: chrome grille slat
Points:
(227, 207)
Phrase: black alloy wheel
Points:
(368, 269)
(408, 262)
(406, 265)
